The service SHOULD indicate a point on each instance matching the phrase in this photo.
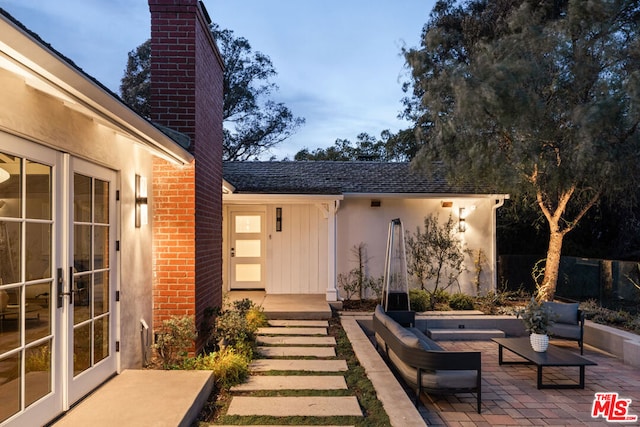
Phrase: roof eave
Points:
(46, 70)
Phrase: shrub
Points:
(237, 327)
(439, 297)
(174, 339)
(419, 300)
(460, 301)
(256, 318)
(229, 367)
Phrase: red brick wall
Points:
(173, 240)
(186, 95)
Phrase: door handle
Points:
(233, 252)
(60, 285)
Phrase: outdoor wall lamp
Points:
(142, 214)
(4, 175)
(462, 222)
(278, 219)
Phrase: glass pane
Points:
(10, 319)
(81, 298)
(38, 184)
(82, 247)
(38, 372)
(36, 312)
(101, 208)
(9, 252)
(81, 198)
(101, 339)
(248, 248)
(10, 189)
(248, 272)
(100, 293)
(81, 348)
(248, 224)
(38, 248)
(101, 247)
(9, 386)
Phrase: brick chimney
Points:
(187, 96)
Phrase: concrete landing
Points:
(296, 382)
(303, 406)
(287, 306)
(287, 340)
(297, 351)
(265, 365)
(465, 334)
(143, 398)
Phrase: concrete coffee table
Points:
(554, 356)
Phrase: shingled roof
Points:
(326, 177)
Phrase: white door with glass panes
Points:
(56, 340)
(90, 330)
(247, 250)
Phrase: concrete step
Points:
(265, 365)
(297, 351)
(296, 382)
(308, 323)
(144, 398)
(302, 406)
(292, 331)
(464, 334)
(289, 340)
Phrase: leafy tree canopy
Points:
(390, 147)
(540, 97)
(253, 123)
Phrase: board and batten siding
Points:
(296, 257)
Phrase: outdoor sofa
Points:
(423, 364)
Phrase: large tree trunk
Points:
(547, 289)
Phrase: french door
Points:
(248, 250)
(91, 278)
(57, 280)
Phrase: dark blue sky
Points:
(338, 61)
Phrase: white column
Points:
(332, 290)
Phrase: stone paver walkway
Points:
(304, 349)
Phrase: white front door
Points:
(247, 251)
(57, 280)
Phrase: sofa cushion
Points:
(565, 331)
(407, 338)
(563, 312)
(466, 379)
(381, 315)
(396, 329)
(425, 342)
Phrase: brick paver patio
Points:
(510, 396)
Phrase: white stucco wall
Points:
(359, 222)
(38, 117)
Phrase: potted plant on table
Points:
(536, 318)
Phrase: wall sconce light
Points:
(278, 219)
(4, 175)
(142, 214)
(462, 221)
(376, 203)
